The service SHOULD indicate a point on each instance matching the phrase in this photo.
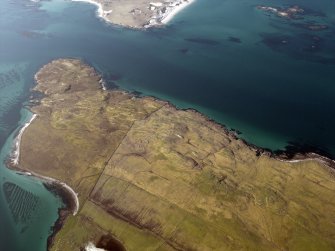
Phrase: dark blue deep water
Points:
(270, 78)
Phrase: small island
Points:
(296, 13)
(290, 12)
(148, 176)
(138, 14)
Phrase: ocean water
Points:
(27, 209)
(267, 77)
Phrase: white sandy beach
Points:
(16, 152)
(321, 159)
(64, 185)
(175, 10)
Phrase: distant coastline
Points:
(141, 15)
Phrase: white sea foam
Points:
(103, 84)
(100, 11)
(90, 247)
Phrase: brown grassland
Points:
(158, 178)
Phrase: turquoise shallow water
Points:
(27, 209)
(222, 57)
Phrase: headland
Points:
(149, 175)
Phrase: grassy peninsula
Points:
(157, 178)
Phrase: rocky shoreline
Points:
(304, 153)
